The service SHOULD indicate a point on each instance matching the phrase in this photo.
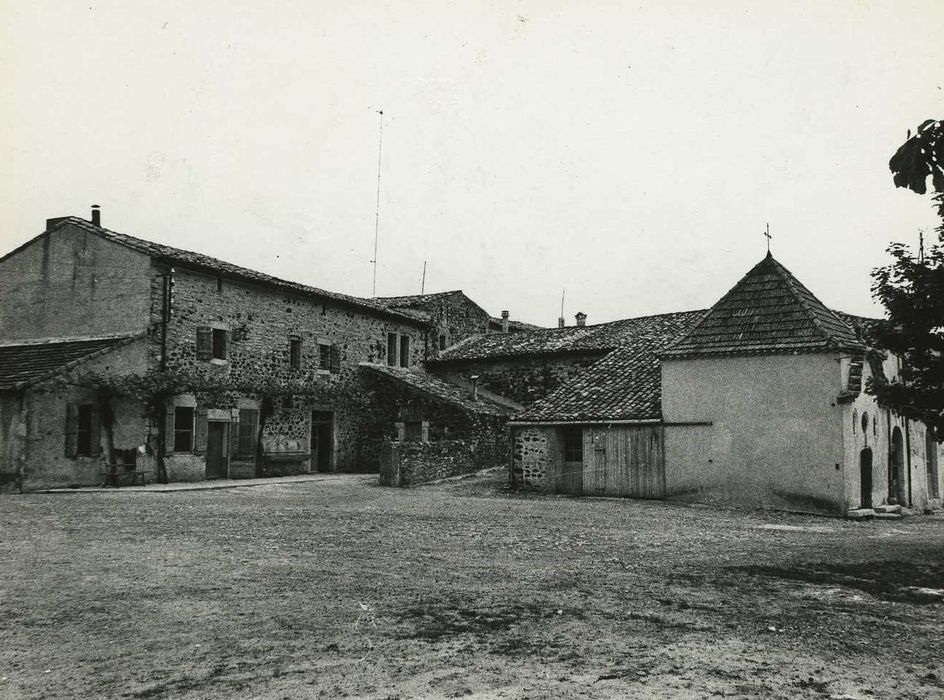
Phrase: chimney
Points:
(505, 315)
(581, 318)
(560, 322)
(96, 215)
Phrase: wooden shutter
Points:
(204, 343)
(335, 359)
(169, 425)
(200, 431)
(234, 436)
(95, 432)
(72, 430)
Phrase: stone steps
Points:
(880, 512)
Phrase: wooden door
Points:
(216, 456)
(865, 478)
(322, 440)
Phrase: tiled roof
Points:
(601, 337)
(437, 388)
(189, 258)
(24, 363)
(624, 385)
(768, 311)
(416, 299)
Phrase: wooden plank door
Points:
(216, 452)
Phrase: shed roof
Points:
(438, 389)
(624, 385)
(187, 258)
(767, 312)
(598, 338)
(22, 364)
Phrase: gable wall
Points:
(775, 438)
(72, 283)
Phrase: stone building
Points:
(757, 402)
(235, 340)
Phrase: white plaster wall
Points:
(775, 438)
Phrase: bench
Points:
(115, 473)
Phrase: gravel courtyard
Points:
(342, 588)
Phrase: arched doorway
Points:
(865, 478)
(934, 487)
(897, 482)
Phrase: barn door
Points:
(597, 462)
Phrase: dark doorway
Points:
(934, 487)
(216, 450)
(865, 478)
(897, 486)
(571, 480)
(322, 441)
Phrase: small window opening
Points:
(183, 429)
(219, 344)
(392, 349)
(295, 353)
(442, 341)
(573, 445)
(324, 356)
(865, 423)
(84, 433)
(404, 351)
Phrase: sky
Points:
(626, 155)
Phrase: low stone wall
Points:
(413, 463)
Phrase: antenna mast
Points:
(423, 283)
(377, 209)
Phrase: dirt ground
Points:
(342, 588)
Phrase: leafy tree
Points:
(911, 289)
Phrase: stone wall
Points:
(413, 463)
(390, 401)
(534, 455)
(524, 379)
(260, 322)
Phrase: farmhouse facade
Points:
(270, 374)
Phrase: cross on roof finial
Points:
(767, 234)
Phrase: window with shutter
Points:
(248, 430)
(392, 349)
(183, 429)
(204, 343)
(71, 431)
(335, 359)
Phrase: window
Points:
(392, 349)
(183, 429)
(324, 356)
(288, 402)
(295, 353)
(865, 423)
(855, 419)
(219, 344)
(442, 341)
(84, 442)
(404, 351)
(573, 445)
(248, 430)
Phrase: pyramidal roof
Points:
(768, 312)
